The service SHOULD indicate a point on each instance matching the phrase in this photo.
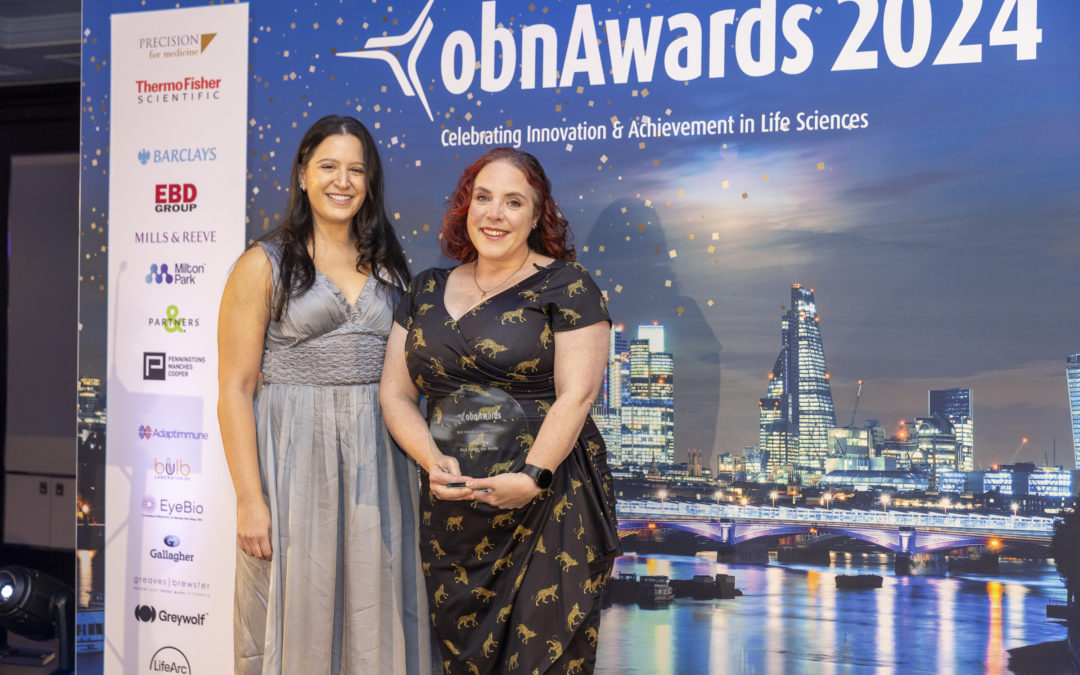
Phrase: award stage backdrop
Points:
(911, 162)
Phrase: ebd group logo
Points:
(175, 197)
(174, 45)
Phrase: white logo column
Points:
(177, 180)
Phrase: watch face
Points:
(543, 479)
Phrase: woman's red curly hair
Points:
(552, 235)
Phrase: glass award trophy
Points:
(484, 428)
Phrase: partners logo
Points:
(146, 432)
(175, 45)
(173, 322)
(191, 237)
(180, 274)
(191, 89)
(151, 614)
(172, 509)
(184, 155)
(161, 366)
(171, 469)
(175, 197)
(172, 552)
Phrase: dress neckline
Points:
(340, 293)
(488, 299)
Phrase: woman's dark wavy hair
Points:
(378, 251)
(552, 234)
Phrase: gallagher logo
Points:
(172, 541)
(177, 155)
(170, 660)
(175, 197)
(679, 48)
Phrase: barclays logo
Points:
(184, 155)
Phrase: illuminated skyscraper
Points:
(954, 405)
(1072, 374)
(797, 411)
(648, 404)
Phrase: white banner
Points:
(177, 177)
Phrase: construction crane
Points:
(851, 424)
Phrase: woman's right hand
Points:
(446, 470)
(253, 528)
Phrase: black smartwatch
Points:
(542, 477)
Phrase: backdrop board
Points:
(178, 94)
(910, 162)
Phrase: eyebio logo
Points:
(172, 509)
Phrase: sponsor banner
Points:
(178, 103)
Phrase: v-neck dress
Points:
(343, 592)
(513, 590)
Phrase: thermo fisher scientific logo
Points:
(191, 89)
(170, 660)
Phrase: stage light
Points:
(38, 607)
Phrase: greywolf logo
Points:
(374, 49)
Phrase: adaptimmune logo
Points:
(147, 432)
(681, 48)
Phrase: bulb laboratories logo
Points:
(172, 45)
(176, 155)
(172, 322)
(147, 432)
(175, 197)
(171, 469)
(173, 542)
(160, 366)
(682, 47)
(191, 89)
(181, 274)
(170, 660)
(172, 509)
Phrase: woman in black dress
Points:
(516, 558)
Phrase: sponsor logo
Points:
(172, 322)
(191, 89)
(172, 45)
(160, 366)
(185, 509)
(170, 660)
(153, 368)
(177, 237)
(175, 197)
(151, 614)
(184, 155)
(172, 469)
(171, 540)
(181, 274)
(147, 432)
(171, 556)
(678, 48)
(172, 584)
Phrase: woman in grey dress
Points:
(327, 572)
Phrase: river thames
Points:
(792, 619)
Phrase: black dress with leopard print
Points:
(514, 591)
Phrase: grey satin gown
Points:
(344, 591)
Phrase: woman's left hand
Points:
(505, 491)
